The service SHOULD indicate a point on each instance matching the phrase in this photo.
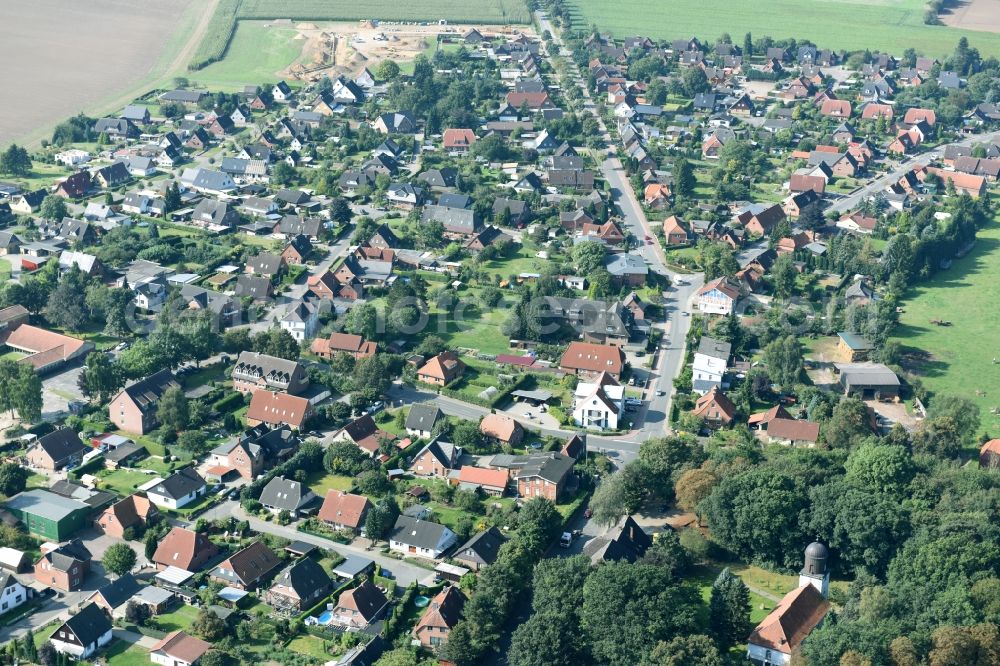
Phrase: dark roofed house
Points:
(626, 541)
(257, 287)
(113, 596)
(360, 606)
(57, 450)
(455, 220)
(134, 408)
(247, 568)
(178, 490)
(299, 587)
(281, 494)
(421, 419)
(481, 550)
(83, 634)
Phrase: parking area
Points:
(59, 390)
(525, 411)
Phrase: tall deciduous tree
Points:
(783, 358)
(119, 559)
(172, 412)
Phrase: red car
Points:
(587, 513)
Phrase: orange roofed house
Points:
(363, 433)
(344, 511)
(673, 232)
(502, 428)
(458, 140)
(989, 454)
(490, 481)
(715, 408)
(133, 511)
(440, 618)
(586, 359)
(354, 345)
(442, 369)
(184, 549)
(278, 409)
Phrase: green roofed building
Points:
(48, 515)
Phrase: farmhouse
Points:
(867, 380)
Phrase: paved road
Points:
(403, 572)
(879, 184)
(677, 299)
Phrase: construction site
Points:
(332, 49)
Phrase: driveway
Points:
(60, 389)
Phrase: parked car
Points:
(660, 393)
(588, 512)
(566, 540)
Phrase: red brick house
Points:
(442, 369)
(441, 616)
(184, 549)
(354, 345)
(543, 475)
(134, 408)
(715, 408)
(133, 511)
(673, 232)
(502, 428)
(63, 568)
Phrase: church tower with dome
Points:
(816, 570)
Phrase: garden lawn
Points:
(961, 355)
(889, 25)
(123, 481)
(123, 653)
(322, 483)
(179, 619)
(256, 54)
(311, 646)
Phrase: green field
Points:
(892, 25)
(961, 355)
(256, 54)
(230, 12)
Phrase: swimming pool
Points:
(421, 601)
(325, 617)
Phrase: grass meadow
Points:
(256, 54)
(960, 360)
(887, 25)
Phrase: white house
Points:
(719, 296)
(599, 404)
(421, 538)
(178, 490)
(302, 320)
(710, 363)
(72, 157)
(12, 593)
(178, 649)
(83, 634)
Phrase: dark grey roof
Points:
(714, 348)
(549, 466)
(146, 392)
(422, 417)
(419, 533)
(483, 547)
(626, 541)
(119, 591)
(265, 263)
(446, 177)
(285, 494)
(179, 484)
(460, 220)
(294, 224)
(256, 286)
(305, 576)
(61, 444)
(89, 624)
